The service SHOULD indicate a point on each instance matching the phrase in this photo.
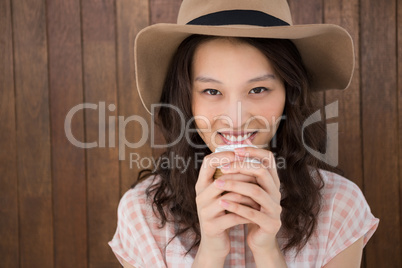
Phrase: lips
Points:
(240, 138)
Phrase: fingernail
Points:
(219, 183)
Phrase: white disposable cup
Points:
(231, 148)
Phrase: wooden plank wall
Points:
(379, 125)
(31, 89)
(68, 162)
(58, 202)
(8, 141)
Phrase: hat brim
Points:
(327, 52)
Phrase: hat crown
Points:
(193, 9)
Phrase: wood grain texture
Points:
(99, 48)
(308, 12)
(132, 16)
(33, 136)
(399, 45)
(58, 203)
(162, 12)
(379, 128)
(9, 244)
(345, 13)
(68, 161)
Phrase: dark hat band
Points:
(238, 17)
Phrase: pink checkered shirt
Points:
(344, 218)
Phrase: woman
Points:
(237, 72)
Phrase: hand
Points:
(266, 220)
(214, 222)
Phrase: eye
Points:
(258, 90)
(212, 92)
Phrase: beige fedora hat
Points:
(327, 50)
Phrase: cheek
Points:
(277, 114)
(272, 107)
(279, 105)
(202, 117)
(203, 126)
(202, 123)
(270, 114)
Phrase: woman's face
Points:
(237, 95)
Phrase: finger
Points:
(227, 221)
(239, 177)
(266, 158)
(209, 212)
(262, 175)
(269, 223)
(241, 199)
(208, 168)
(255, 192)
(208, 195)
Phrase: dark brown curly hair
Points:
(173, 196)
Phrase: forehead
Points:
(229, 55)
(215, 43)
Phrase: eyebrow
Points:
(264, 77)
(205, 79)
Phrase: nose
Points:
(235, 114)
